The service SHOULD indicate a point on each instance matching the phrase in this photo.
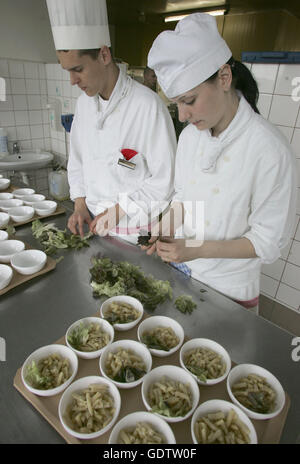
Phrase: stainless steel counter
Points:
(38, 313)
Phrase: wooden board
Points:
(268, 431)
(19, 279)
(59, 210)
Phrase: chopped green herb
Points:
(122, 278)
(79, 336)
(199, 372)
(128, 374)
(53, 239)
(259, 403)
(152, 342)
(185, 304)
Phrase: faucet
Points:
(16, 148)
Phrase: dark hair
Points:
(243, 80)
(148, 70)
(93, 52)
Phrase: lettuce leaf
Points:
(110, 278)
(52, 239)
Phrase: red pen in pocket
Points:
(127, 155)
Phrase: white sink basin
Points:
(25, 161)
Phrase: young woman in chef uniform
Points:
(229, 159)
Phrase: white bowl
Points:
(4, 219)
(161, 321)
(44, 352)
(137, 348)
(19, 193)
(6, 274)
(79, 385)
(29, 261)
(6, 196)
(30, 199)
(123, 299)
(131, 420)
(3, 235)
(8, 248)
(21, 213)
(105, 326)
(43, 208)
(243, 370)
(173, 373)
(211, 345)
(213, 406)
(6, 205)
(4, 183)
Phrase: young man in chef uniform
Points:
(122, 142)
(229, 158)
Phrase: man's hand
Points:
(107, 220)
(80, 217)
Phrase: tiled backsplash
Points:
(24, 114)
(31, 86)
(281, 280)
(60, 88)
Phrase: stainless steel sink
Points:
(25, 161)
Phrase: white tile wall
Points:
(24, 114)
(291, 275)
(296, 142)
(269, 285)
(266, 76)
(284, 111)
(274, 270)
(264, 104)
(59, 87)
(289, 296)
(21, 114)
(286, 74)
(281, 280)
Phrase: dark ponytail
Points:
(242, 80)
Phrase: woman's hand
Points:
(178, 250)
(167, 226)
(181, 250)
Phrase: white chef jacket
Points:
(133, 118)
(246, 179)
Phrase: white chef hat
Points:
(79, 24)
(187, 56)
